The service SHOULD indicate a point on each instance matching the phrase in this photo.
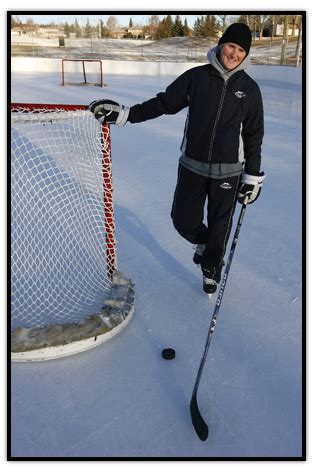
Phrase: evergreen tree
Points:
(208, 24)
(77, 29)
(67, 29)
(211, 26)
(169, 26)
(199, 26)
(186, 29)
(165, 28)
(87, 29)
(103, 30)
(130, 23)
(196, 27)
(178, 27)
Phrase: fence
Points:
(265, 51)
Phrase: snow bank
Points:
(292, 75)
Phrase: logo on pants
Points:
(226, 185)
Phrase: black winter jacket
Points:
(221, 114)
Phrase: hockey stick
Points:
(197, 419)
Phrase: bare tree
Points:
(295, 22)
(112, 24)
(261, 23)
(274, 20)
(298, 49)
(258, 22)
(30, 24)
(153, 26)
(284, 40)
(223, 19)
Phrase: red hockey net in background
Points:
(82, 72)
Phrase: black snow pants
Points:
(188, 212)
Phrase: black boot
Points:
(211, 278)
(209, 283)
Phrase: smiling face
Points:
(231, 55)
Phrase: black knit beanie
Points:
(238, 33)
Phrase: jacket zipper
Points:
(211, 145)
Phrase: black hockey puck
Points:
(168, 353)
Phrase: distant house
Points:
(118, 33)
(23, 30)
(291, 31)
(135, 31)
(16, 31)
(37, 31)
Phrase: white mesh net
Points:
(62, 225)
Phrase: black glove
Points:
(109, 111)
(250, 187)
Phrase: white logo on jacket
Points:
(240, 94)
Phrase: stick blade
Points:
(198, 422)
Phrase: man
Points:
(221, 146)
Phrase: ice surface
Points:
(122, 399)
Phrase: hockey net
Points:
(82, 72)
(66, 294)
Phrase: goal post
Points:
(81, 72)
(67, 294)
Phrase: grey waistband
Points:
(213, 170)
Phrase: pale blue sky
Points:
(94, 19)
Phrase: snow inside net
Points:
(59, 261)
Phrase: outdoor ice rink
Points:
(122, 399)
